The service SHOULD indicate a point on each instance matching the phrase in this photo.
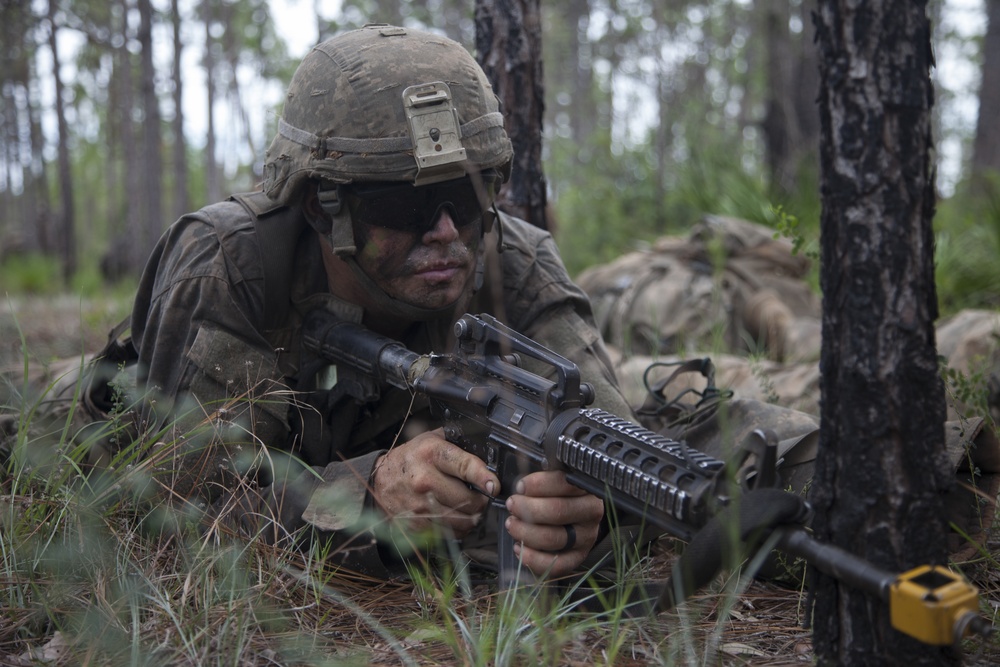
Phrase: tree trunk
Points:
(790, 133)
(39, 182)
(10, 166)
(509, 48)
(123, 255)
(232, 49)
(662, 135)
(213, 187)
(881, 470)
(182, 202)
(67, 223)
(24, 225)
(781, 129)
(10, 147)
(986, 146)
(582, 113)
(152, 152)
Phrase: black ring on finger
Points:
(570, 537)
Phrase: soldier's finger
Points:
(556, 511)
(554, 539)
(546, 563)
(455, 495)
(547, 483)
(460, 464)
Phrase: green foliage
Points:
(967, 243)
(607, 213)
(89, 283)
(969, 391)
(614, 204)
(30, 273)
(787, 226)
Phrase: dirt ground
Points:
(55, 327)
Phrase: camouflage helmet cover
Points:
(353, 112)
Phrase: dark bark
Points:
(152, 152)
(10, 161)
(582, 114)
(791, 133)
(181, 199)
(881, 470)
(232, 50)
(662, 135)
(509, 48)
(212, 184)
(986, 146)
(66, 220)
(25, 193)
(123, 256)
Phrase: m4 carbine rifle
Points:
(518, 422)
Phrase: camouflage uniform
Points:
(201, 333)
(730, 283)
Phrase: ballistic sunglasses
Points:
(403, 207)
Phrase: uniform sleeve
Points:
(542, 302)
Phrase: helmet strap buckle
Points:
(337, 228)
(329, 200)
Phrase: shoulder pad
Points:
(257, 204)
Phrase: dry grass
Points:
(85, 583)
(81, 585)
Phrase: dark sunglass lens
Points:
(417, 209)
(398, 208)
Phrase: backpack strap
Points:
(278, 229)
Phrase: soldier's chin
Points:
(434, 308)
(416, 308)
(432, 296)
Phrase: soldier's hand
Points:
(554, 524)
(425, 480)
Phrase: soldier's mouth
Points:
(439, 272)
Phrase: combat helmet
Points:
(385, 103)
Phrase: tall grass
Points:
(94, 572)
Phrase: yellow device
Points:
(933, 604)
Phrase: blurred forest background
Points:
(117, 116)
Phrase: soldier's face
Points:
(429, 268)
(420, 244)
